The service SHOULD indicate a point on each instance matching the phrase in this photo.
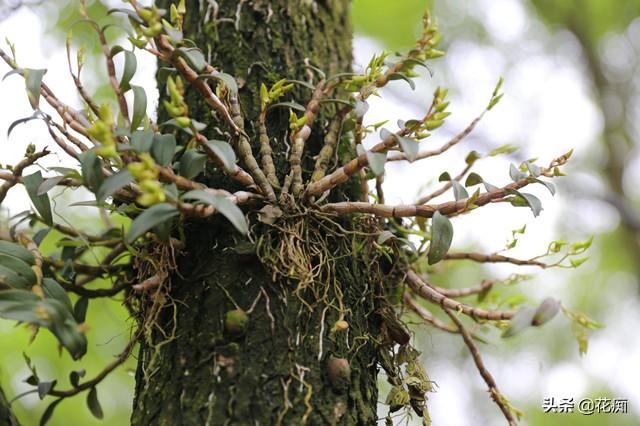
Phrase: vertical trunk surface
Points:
(6, 415)
(280, 367)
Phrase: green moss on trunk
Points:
(275, 368)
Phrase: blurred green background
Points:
(595, 43)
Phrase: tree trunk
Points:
(292, 362)
(6, 415)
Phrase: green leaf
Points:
(139, 106)
(385, 236)
(22, 305)
(175, 35)
(473, 179)
(546, 311)
(458, 191)
(53, 290)
(534, 170)
(163, 148)
(65, 328)
(224, 206)
(18, 267)
(40, 235)
(228, 80)
(577, 262)
(551, 187)
(224, 152)
(80, 309)
(515, 173)
(199, 126)
(521, 320)
(398, 76)
(409, 146)
(444, 177)
(45, 387)
(376, 160)
(40, 202)
(17, 251)
(94, 404)
(48, 184)
(113, 183)
(91, 168)
(503, 149)
(13, 279)
(192, 163)
(489, 187)
(194, 57)
(33, 82)
(21, 121)
(141, 141)
(75, 376)
(293, 105)
(472, 157)
(130, 66)
(494, 101)
(361, 108)
(529, 199)
(441, 237)
(48, 412)
(149, 218)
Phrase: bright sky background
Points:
(546, 109)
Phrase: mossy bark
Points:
(275, 368)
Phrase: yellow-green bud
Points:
(183, 122)
(433, 124)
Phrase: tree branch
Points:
(486, 375)
(426, 291)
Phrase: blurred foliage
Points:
(394, 23)
(595, 18)
(107, 335)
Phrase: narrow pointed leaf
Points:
(409, 146)
(113, 183)
(149, 218)
(17, 251)
(459, 192)
(163, 148)
(376, 160)
(227, 79)
(361, 108)
(194, 57)
(224, 151)
(223, 205)
(546, 311)
(516, 174)
(33, 82)
(129, 70)
(192, 163)
(94, 404)
(48, 184)
(551, 187)
(139, 106)
(40, 202)
(520, 321)
(441, 237)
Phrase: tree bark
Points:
(279, 368)
(6, 415)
